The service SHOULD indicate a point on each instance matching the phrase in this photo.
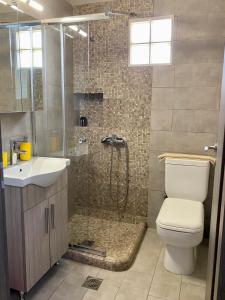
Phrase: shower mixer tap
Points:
(113, 140)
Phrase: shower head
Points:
(110, 13)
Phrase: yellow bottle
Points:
(25, 151)
(5, 159)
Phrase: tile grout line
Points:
(154, 272)
(180, 287)
(119, 287)
(59, 286)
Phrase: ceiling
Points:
(58, 8)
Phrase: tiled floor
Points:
(145, 280)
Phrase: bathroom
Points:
(102, 105)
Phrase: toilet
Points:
(180, 223)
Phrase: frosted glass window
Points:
(37, 39)
(140, 32)
(161, 30)
(151, 41)
(139, 54)
(24, 40)
(37, 58)
(160, 53)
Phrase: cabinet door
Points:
(58, 205)
(36, 223)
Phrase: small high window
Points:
(29, 49)
(151, 41)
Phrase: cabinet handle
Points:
(53, 215)
(46, 219)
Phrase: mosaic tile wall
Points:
(124, 110)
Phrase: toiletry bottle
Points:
(25, 150)
(5, 159)
(14, 155)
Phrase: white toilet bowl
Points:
(180, 226)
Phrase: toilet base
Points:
(180, 260)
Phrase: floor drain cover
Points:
(92, 283)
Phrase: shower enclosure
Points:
(76, 119)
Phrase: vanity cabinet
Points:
(36, 221)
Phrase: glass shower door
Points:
(50, 122)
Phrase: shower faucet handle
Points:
(82, 140)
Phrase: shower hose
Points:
(121, 201)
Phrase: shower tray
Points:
(119, 240)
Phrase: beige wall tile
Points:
(198, 51)
(152, 219)
(163, 76)
(155, 201)
(196, 98)
(154, 298)
(216, 7)
(196, 75)
(200, 27)
(190, 7)
(154, 161)
(184, 142)
(195, 121)
(186, 98)
(161, 120)
(162, 98)
(157, 180)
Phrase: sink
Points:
(41, 171)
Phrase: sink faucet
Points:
(15, 148)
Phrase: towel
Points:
(211, 159)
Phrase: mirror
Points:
(21, 80)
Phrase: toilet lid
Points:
(181, 215)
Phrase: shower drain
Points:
(92, 283)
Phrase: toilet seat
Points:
(181, 215)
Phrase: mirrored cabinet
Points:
(21, 66)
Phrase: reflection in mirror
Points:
(29, 66)
(8, 82)
(20, 63)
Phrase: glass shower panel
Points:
(50, 122)
(76, 54)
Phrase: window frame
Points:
(133, 20)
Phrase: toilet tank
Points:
(186, 179)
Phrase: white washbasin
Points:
(41, 171)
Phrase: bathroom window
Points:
(151, 41)
(29, 49)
